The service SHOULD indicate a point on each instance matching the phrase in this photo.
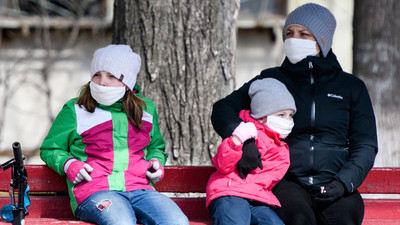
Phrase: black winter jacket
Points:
(334, 136)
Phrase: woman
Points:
(108, 143)
(333, 143)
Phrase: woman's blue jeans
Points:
(130, 208)
(230, 210)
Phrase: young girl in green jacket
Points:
(107, 141)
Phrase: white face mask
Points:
(280, 125)
(106, 95)
(297, 49)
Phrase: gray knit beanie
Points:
(269, 96)
(318, 19)
(117, 60)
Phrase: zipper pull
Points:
(310, 66)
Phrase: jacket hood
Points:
(246, 117)
(136, 90)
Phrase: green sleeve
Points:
(156, 148)
(54, 150)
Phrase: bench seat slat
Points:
(382, 208)
(40, 221)
(194, 208)
(381, 222)
(58, 207)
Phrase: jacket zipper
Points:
(310, 66)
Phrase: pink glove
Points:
(245, 131)
(77, 171)
(156, 171)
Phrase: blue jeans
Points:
(230, 210)
(130, 208)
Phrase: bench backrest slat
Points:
(40, 179)
(382, 180)
(183, 179)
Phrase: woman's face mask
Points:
(297, 49)
(106, 95)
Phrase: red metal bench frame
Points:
(50, 202)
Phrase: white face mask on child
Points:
(297, 49)
(106, 95)
(280, 125)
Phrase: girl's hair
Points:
(132, 105)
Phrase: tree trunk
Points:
(187, 49)
(377, 62)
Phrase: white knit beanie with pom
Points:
(120, 61)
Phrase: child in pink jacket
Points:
(245, 197)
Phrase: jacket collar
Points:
(117, 107)
(321, 66)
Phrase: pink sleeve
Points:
(276, 167)
(227, 157)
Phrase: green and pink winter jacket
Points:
(119, 153)
(258, 183)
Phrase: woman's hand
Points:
(333, 191)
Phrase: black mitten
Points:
(251, 158)
(333, 191)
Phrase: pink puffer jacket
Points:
(258, 183)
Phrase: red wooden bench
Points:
(50, 202)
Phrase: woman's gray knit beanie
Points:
(318, 19)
